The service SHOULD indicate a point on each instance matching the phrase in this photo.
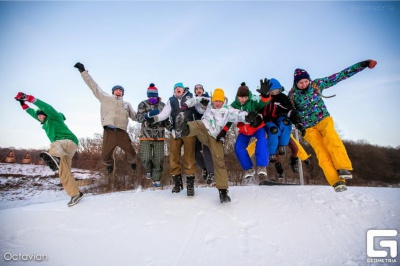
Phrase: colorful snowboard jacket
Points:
(309, 102)
(53, 125)
(253, 103)
(113, 111)
(154, 131)
(215, 119)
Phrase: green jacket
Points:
(54, 124)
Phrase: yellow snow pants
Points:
(329, 148)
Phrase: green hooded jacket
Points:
(53, 124)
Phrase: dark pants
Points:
(113, 138)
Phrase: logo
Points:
(381, 244)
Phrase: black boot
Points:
(178, 183)
(190, 185)
(223, 195)
(294, 165)
(279, 169)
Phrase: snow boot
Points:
(281, 150)
(178, 183)
(262, 173)
(190, 185)
(272, 158)
(279, 169)
(249, 173)
(223, 196)
(340, 186)
(345, 174)
(157, 185)
(210, 178)
(294, 165)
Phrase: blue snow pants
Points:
(282, 136)
(262, 154)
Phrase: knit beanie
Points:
(118, 87)
(218, 95)
(179, 84)
(152, 91)
(275, 84)
(300, 74)
(243, 90)
(40, 112)
(198, 86)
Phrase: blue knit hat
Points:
(118, 87)
(152, 91)
(179, 84)
(275, 84)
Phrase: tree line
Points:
(373, 165)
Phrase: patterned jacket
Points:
(154, 131)
(309, 102)
(113, 111)
(253, 103)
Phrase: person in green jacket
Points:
(63, 143)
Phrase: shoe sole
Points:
(340, 188)
(346, 176)
(76, 202)
(48, 159)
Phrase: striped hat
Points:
(152, 91)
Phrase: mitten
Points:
(265, 87)
(371, 63)
(204, 101)
(257, 121)
(221, 135)
(151, 114)
(23, 104)
(183, 108)
(24, 97)
(150, 120)
(80, 67)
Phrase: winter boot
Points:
(249, 173)
(204, 173)
(262, 172)
(182, 128)
(178, 183)
(340, 186)
(281, 150)
(190, 185)
(294, 164)
(223, 196)
(272, 158)
(210, 178)
(279, 169)
(148, 175)
(157, 185)
(345, 174)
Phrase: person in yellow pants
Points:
(306, 97)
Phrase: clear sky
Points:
(217, 44)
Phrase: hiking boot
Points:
(133, 166)
(204, 173)
(281, 150)
(51, 161)
(293, 164)
(75, 199)
(345, 174)
(223, 196)
(157, 185)
(190, 185)
(279, 169)
(210, 178)
(178, 183)
(262, 170)
(181, 128)
(272, 158)
(109, 168)
(340, 186)
(249, 173)
(148, 175)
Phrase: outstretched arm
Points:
(97, 91)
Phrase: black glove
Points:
(150, 120)
(80, 67)
(221, 135)
(264, 87)
(204, 101)
(257, 121)
(183, 108)
(300, 127)
(249, 118)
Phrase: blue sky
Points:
(217, 44)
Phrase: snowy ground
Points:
(291, 225)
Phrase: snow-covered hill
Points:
(291, 225)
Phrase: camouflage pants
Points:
(152, 156)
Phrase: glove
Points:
(150, 120)
(204, 101)
(221, 135)
(264, 87)
(80, 67)
(371, 63)
(24, 97)
(183, 108)
(23, 104)
(151, 114)
(257, 121)
(300, 127)
(249, 118)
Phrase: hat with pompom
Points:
(152, 90)
(300, 74)
(243, 90)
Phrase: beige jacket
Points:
(114, 111)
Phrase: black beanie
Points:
(40, 112)
(243, 90)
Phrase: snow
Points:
(280, 225)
